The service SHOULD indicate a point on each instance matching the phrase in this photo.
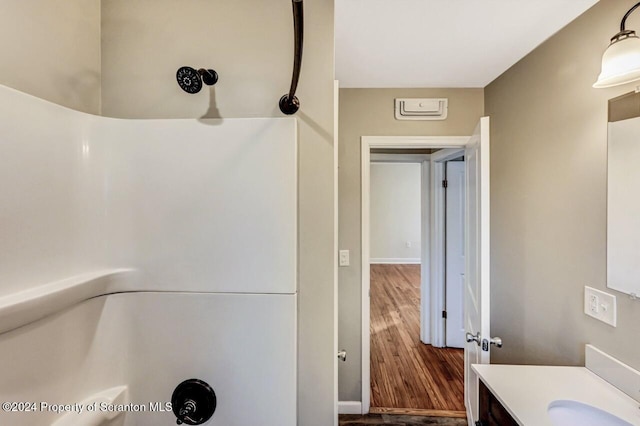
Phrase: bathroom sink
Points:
(573, 413)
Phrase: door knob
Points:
(342, 355)
(496, 341)
(473, 338)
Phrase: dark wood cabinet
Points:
(492, 413)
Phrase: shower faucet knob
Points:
(193, 402)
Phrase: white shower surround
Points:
(192, 222)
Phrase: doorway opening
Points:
(415, 246)
(478, 340)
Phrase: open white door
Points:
(455, 250)
(477, 285)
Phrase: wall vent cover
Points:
(422, 109)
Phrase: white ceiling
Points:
(441, 43)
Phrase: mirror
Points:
(623, 194)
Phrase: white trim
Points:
(408, 142)
(366, 278)
(399, 158)
(349, 407)
(437, 254)
(368, 142)
(485, 229)
(395, 261)
(336, 103)
(438, 245)
(447, 154)
(425, 237)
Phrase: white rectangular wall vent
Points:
(422, 109)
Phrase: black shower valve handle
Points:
(193, 402)
(189, 407)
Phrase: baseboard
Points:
(419, 412)
(349, 407)
(395, 261)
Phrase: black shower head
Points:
(191, 80)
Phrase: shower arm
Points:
(289, 103)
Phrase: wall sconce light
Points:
(621, 60)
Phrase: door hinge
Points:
(445, 183)
(444, 314)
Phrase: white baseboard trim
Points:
(395, 261)
(349, 407)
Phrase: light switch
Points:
(600, 305)
(344, 257)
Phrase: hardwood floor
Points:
(405, 373)
(398, 420)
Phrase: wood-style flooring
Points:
(406, 373)
(398, 420)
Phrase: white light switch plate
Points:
(344, 257)
(600, 305)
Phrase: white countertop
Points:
(526, 391)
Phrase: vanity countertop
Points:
(526, 391)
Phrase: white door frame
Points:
(336, 115)
(397, 142)
(438, 240)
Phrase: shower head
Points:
(190, 80)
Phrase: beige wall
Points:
(395, 211)
(548, 198)
(369, 112)
(51, 49)
(250, 44)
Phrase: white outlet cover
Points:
(606, 309)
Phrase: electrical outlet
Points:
(594, 301)
(600, 305)
(344, 257)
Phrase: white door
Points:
(454, 263)
(476, 294)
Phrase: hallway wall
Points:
(395, 212)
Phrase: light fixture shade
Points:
(620, 63)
